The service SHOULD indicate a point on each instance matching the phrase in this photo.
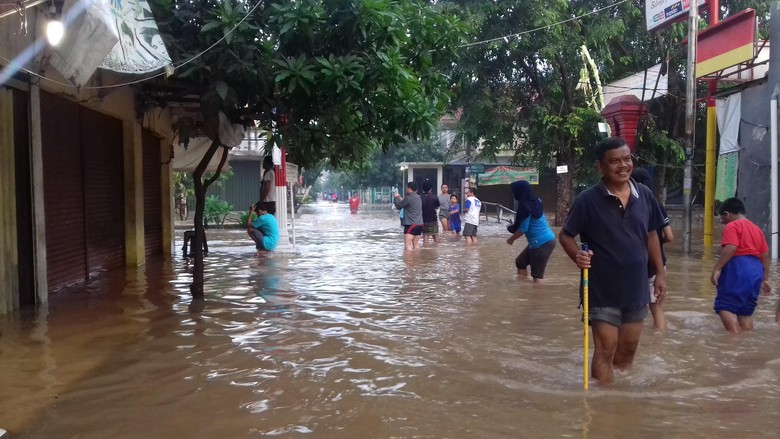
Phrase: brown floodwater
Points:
(353, 338)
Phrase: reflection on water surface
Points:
(353, 338)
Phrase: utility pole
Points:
(710, 162)
(690, 124)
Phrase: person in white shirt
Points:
(268, 186)
(471, 211)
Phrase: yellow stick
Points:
(585, 323)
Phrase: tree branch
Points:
(216, 175)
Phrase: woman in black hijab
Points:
(531, 222)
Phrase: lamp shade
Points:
(54, 32)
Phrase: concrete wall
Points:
(753, 184)
(754, 165)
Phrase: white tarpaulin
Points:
(140, 48)
(118, 35)
(638, 83)
(188, 159)
(729, 112)
(89, 36)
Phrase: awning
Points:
(508, 175)
(188, 159)
(140, 48)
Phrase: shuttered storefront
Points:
(101, 140)
(83, 191)
(153, 240)
(66, 251)
(243, 188)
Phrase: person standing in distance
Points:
(454, 216)
(268, 186)
(471, 209)
(354, 202)
(430, 204)
(444, 208)
(412, 220)
(619, 220)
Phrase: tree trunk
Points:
(196, 288)
(660, 178)
(564, 196)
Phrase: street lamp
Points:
(403, 169)
(54, 29)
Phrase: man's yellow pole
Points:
(585, 323)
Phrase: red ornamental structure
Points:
(623, 115)
(281, 170)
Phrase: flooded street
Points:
(353, 338)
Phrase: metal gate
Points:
(101, 141)
(83, 191)
(153, 241)
(66, 252)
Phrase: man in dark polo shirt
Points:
(618, 219)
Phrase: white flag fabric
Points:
(729, 112)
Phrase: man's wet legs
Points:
(409, 241)
(614, 348)
(628, 341)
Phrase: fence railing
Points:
(498, 211)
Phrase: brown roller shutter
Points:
(152, 194)
(101, 139)
(63, 192)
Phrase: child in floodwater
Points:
(454, 216)
(741, 272)
(666, 236)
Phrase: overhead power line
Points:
(595, 11)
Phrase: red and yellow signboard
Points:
(728, 43)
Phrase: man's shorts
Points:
(535, 257)
(414, 229)
(257, 237)
(616, 316)
(431, 228)
(469, 230)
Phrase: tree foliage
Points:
(327, 79)
(524, 93)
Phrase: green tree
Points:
(326, 79)
(524, 92)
